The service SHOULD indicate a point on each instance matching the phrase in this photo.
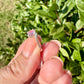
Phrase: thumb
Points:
(25, 63)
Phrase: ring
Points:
(31, 34)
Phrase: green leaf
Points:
(57, 32)
(59, 2)
(81, 15)
(74, 67)
(46, 14)
(36, 7)
(75, 80)
(71, 45)
(76, 40)
(79, 24)
(37, 19)
(80, 5)
(77, 43)
(52, 14)
(59, 36)
(42, 13)
(54, 7)
(82, 65)
(68, 6)
(82, 75)
(76, 55)
(67, 46)
(82, 43)
(70, 25)
(63, 58)
(44, 7)
(64, 53)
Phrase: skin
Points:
(26, 66)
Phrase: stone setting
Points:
(31, 33)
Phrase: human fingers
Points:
(50, 49)
(46, 48)
(52, 72)
(24, 64)
(66, 78)
(52, 69)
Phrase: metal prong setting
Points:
(31, 34)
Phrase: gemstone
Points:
(31, 33)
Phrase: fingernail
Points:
(56, 57)
(29, 47)
(68, 72)
(57, 43)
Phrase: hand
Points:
(25, 67)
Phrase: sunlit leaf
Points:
(54, 7)
(69, 4)
(82, 65)
(81, 15)
(37, 19)
(76, 40)
(64, 52)
(80, 4)
(76, 55)
(59, 2)
(79, 24)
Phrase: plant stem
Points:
(78, 30)
(66, 33)
(58, 17)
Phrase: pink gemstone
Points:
(31, 33)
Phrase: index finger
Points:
(50, 49)
(27, 59)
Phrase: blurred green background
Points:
(7, 10)
(52, 19)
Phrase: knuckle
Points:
(15, 68)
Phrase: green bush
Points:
(52, 19)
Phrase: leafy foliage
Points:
(53, 19)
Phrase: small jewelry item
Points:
(31, 34)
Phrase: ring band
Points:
(31, 34)
(37, 40)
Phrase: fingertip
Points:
(51, 69)
(24, 44)
(57, 43)
(50, 49)
(68, 72)
(66, 78)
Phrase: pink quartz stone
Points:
(31, 33)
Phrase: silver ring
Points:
(31, 34)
